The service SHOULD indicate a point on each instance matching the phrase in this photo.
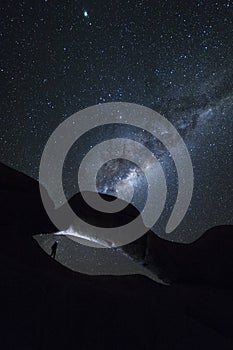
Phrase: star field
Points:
(173, 57)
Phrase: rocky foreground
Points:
(44, 305)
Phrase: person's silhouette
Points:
(54, 249)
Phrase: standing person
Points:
(54, 249)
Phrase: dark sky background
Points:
(58, 57)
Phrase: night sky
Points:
(60, 57)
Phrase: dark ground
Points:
(44, 305)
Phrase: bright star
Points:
(85, 13)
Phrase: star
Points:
(179, 65)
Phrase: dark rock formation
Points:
(44, 305)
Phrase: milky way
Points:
(176, 59)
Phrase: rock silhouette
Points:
(45, 305)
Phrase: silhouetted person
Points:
(54, 249)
